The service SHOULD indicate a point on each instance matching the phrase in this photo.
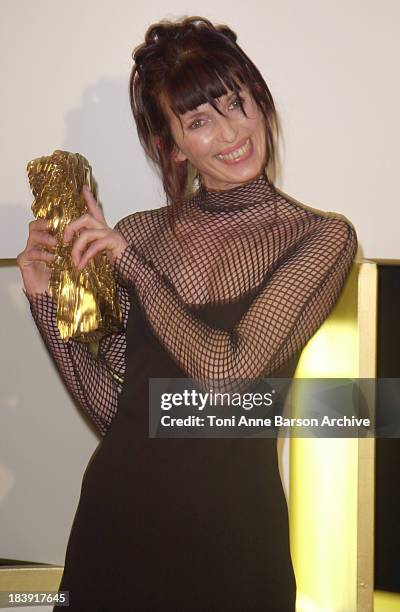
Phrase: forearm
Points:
(87, 378)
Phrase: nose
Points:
(226, 129)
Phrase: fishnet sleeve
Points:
(289, 307)
(94, 381)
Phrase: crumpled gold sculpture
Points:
(87, 302)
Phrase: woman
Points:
(228, 281)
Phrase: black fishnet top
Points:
(249, 240)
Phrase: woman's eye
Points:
(237, 103)
(196, 124)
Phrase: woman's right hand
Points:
(34, 260)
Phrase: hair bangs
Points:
(200, 80)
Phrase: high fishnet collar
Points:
(257, 191)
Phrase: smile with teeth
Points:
(237, 154)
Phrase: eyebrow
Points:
(193, 113)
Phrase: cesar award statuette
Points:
(87, 301)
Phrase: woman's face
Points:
(228, 149)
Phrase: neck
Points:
(227, 186)
(258, 190)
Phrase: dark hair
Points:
(191, 62)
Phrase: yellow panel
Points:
(386, 602)
(324, 477)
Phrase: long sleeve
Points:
(289, 306)
(94, 381)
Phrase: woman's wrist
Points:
(35, 298)
(33, 292)
(34, 283)
(129, 267)
(137, 274)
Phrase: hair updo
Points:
(191, 62)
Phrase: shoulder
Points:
(330, 222)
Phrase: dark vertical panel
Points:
(387, 497)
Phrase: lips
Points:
(234, 148)
(237, 153)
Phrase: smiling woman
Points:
(226, 291)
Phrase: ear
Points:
(177, 155)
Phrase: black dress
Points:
(177, 524)
(195, 524)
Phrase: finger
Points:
(85, 221)
(37, 237)
(96, 247)
(92, 205)
(39, 224)
(31, 255)
(84, 239)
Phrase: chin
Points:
(245, 174)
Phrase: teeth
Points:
(237, 153)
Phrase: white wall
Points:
(331, 67)
(45, 444)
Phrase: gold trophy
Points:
(87, 301)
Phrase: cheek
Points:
(258, 121)
(200, 143)
(255, 118)
(258, 126)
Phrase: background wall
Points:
(65, 68)
(331, 68)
